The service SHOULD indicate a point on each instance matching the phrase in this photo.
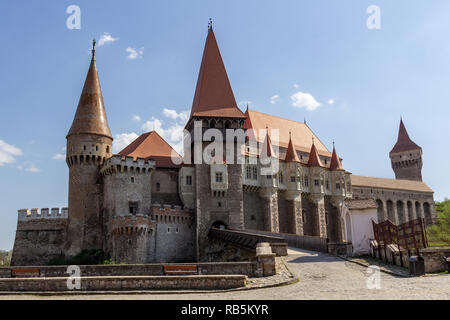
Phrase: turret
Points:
(89, 143)
(406, 157)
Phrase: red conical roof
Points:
(267, 149)
(213, 95)
(314, 160)
(404, 143)
(291, 154)
(335, 163)
(90, 117)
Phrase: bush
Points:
(438, 234)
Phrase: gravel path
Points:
(321, 277)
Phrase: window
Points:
(280, 178)
(219, 204)
(189, 180)
(219, 177)
(306, 181)
(338, 185)
(292, 178)
(84, 147)
(96, 148)
(268, 177)
(316, 182)
(158, 186)
(133, 206)
(132, 179)
(107, 149)
(327, 184)
(248, 173)
(255, 173)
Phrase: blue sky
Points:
(364, 80)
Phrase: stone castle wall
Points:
(40, 236)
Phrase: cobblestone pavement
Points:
(321, 277)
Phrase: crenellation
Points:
(44, 213)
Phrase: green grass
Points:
(438, 235)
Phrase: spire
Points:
(268, 152)
(314, 160)
(90, 117)
(404, 142)
(335, 163)
(291, 154)
(213, 94)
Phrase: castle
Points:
(149, 204)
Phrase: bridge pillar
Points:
(269, 198)
(294, 211)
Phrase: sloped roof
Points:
(394, 184)
(356, 204)
(404, 142)
(314, 160)
(301, 134)
(151, 145)
(335, 163)
(291, 154)
(213, 94)
(90, 117)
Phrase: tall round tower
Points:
(89, 143)
(406, 157)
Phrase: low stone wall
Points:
(250, 269)
(433, 257)
(340, 248)
(126, 283)
(298, 241)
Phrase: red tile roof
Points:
(291, 154)
(151, 145)
(404, 143)
(335, 163)
(90, 117)
(314, 160)
(301, 134)
(213, 95)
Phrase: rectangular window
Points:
(316, 182)
(327, 184)
(255, 173)
(248, 173)
(268, 177)
(219, 177)
(158, 186)
(189, 180)
(292, 178)
(133, 206)
(306, 181)
(338, 185)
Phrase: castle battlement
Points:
(171, 214)
(129, 224)
(121, 164)
(44, 213)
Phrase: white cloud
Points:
(106, 38)
(173, 114)
(8, 153)
(304, 100)
(274, 99)
(134, 53)
(32, 168)
(172, 132)
(136, 118)
(59, 156)
(331, 101)
(122, 140)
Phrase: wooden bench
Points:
(25, 273)
(180, 270)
